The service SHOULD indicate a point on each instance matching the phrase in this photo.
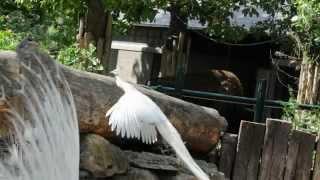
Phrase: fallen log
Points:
(94, 94)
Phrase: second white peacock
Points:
(135, 115)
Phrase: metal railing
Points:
(259, 102)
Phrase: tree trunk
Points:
(175, 55)
(308, 89)
(309, 83)
(96, 28)
(94, 94)
(178, 22)
(80, 35)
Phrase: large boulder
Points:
(137, 174)
(168, 167)
(100, 158)
(95, 94)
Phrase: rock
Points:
(152, 161)
(183, 176)
(168, 166)
(209, 168)
(180, 176)
(94, 95)
(101, 158)
(85, 175)
(137, 174)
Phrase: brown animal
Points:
(216, 81)
(219, 81)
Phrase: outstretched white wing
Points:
(135, 116)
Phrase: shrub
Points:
(8, 40)
(83, 59)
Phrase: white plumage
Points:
(130, 117)
(136, 116)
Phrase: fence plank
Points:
(275, 147)
(316, 169)
(228, 154)
(250, 142)
(300, 155)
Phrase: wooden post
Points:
(107, 43)
(300, 156)
(274, 153)
(80, 35)
(228, 154)
(180, 68)
(271, 78)
(316, 168)
(260, 95)
(250, 143)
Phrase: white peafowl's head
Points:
(115, 72)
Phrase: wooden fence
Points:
(271, 151)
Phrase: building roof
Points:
(162, 19)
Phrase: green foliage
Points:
(8, 40)
(289, 112)
(83, 59)
(306, 23)
(52, 30)
(215, 13)
(132, 10)
(304, 120)
(53, 27)
(306, 35)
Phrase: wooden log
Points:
(249, 148)
(228, 154)
(94, 94)
(273, 161)
(300, 156)
(316, 167)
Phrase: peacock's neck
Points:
(126, 87)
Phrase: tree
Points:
(95, 17)
(306, 29)
(306, 25)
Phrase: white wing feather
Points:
(135, 116)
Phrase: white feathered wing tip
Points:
(127, 118)
(171, 135)
(137, 116)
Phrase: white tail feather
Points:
(170, 134)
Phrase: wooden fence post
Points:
(260, 97)
(300, 156)
(228, 154)
(274, 152)
(250, 143)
